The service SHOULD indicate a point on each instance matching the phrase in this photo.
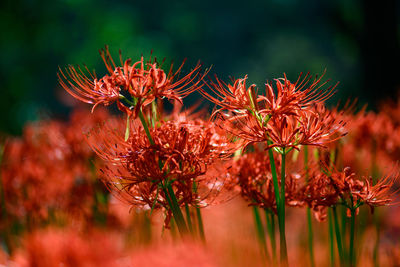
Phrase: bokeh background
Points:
(356, 41)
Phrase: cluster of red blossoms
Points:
(276, 147)
(146, 157)
(180, 153)
(49, 170)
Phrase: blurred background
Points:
(356, 41)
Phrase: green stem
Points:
(274, 177)
(260, 231)
(168, 191)
(331, 238)
(176, 211)
(352, 234)
(199, 217)
(280, 203)
(270, 218)
(154, 112)
(278, 206)
(141, 117)
(188, 218)
(146, 128)
(200, 223)
(310, 237)
(338, 236)
(309, 217)
(282, 235)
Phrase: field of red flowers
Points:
(272, 177)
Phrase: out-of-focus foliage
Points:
(259, 38)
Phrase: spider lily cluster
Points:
(276, 147)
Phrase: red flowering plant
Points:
(168, 173)
(47, 177)
(282, 119)
(253, 176)
(332, 188)
(156, 163)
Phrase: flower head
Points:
(252, 173)
(331, 188)
(132, 85)
(295, 115)
(290, 98)
(136, 170)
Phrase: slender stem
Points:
(274, 178)
(172, 226)
(176, 211)
(199, 217)
(154, 112)
(352, 234)
(141, 117)
(260, 231)
(127, 130)
(310, 237)
(188, 218)
(270, 218)
(168, 190)
(200, 223)
(282, 235)
(309, 217)
(146, 128)
(331, 238)
(338, 236)
(279, 203)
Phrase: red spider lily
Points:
(32, 168)
(316, 126)
(236, 97)
(292, 97)
(252, 173)
(375, 195)
(342, 187)
(144, 82)
(294, 116)
(374, 138)
(88, 88)
(288, 98)
(246, 128)
(136, 170)
(319, 194)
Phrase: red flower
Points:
(294, 116)
(136, 170)
(343, 188)
(292, 97)
(89, 89)
(252, 173)
(236, 97)
(142, 81)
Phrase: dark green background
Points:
(356, 41)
